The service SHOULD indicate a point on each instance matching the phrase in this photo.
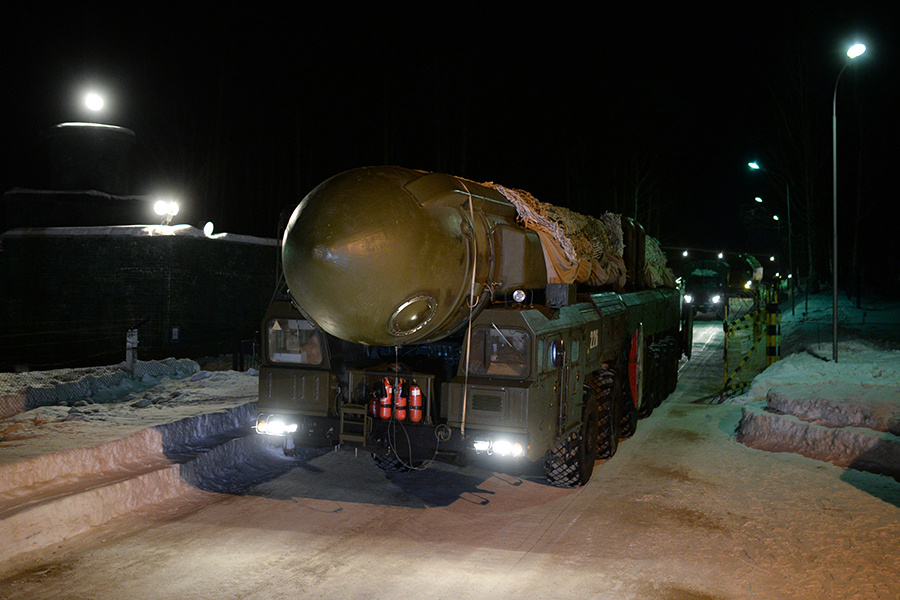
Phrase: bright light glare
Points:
(685, 253)
(93, 101)
(721, 254)
(856, 50)
(771, 259)
(716, 299)
(208, 228)
(774, 217)
(688, 298)
(748, 285)
(506, 448)
(500, 447)
(166, 207)
(758, 199)
(275, 427)
(753, 165)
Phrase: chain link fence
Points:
(807, 325)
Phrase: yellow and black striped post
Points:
(773, 332)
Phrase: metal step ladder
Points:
(356, 424)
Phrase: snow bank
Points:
(840, 404)
(867, 365)
(58, 518)
(141, 231)
(57, 495)
(859, 448)
(846, 413)
(21, 392)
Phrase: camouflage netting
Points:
(583, 249)
(656, 273)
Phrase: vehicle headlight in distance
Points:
(716, 299)
(688, 298)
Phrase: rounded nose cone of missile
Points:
(370, 264)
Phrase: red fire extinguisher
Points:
(373, 405)
(399, 403)
(384, 405)
(415, 403)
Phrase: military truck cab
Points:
(559, 385)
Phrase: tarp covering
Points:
(581, 248)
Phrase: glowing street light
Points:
(787, 194)
(856, 50)
(94, 101)
(853, 52)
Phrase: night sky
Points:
(241, 109)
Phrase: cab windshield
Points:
(499, 351)
(293, 341)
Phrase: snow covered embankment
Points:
(49, 498)
(850, 425)
(197, 435)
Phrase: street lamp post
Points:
(854, 51)
(787, 187)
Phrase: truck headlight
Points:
(499, 447)
(688, 298)
(274, 425)
(716, 299)
(507, 448)
(482, 446)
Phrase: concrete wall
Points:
(69, 295)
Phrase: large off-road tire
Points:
(650, 399)
(674, 356)
(603, 385)
(659, 383)
(571, 462)
(629, 420)
(687, 333)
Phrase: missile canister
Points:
(389, 256)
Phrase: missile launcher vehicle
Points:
(428, 317)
